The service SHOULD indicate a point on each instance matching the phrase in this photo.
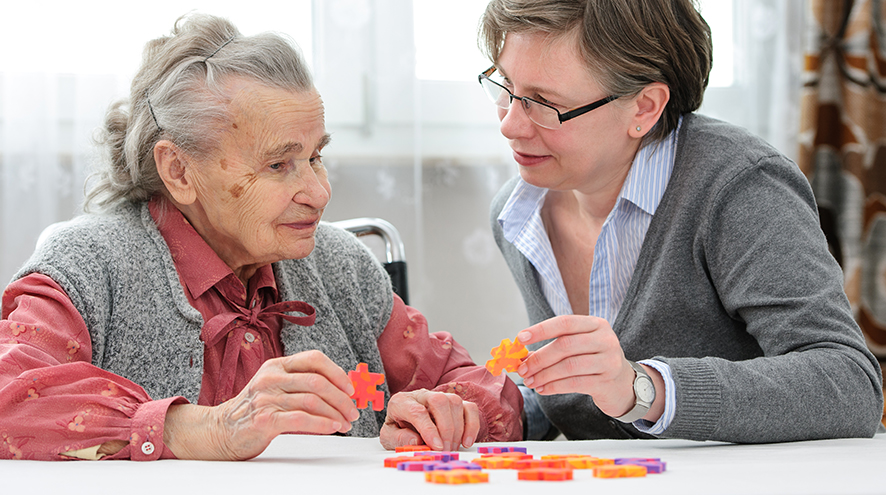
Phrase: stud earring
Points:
(638, 128)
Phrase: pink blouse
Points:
(53, 402)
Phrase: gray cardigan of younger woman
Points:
(735, 289)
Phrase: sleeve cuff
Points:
(667, 416)
(146, 430)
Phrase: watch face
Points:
(645, 390)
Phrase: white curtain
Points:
(425, 155)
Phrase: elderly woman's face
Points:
(260, 197)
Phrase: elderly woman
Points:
(162, 327)
(676, 261)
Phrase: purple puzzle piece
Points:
(652, 465)
(500, 450)
(449, 466)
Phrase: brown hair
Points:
(626, 44)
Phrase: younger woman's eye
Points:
(541, 99)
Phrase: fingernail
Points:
(437, 443)
(355, 415)
(336, 426)
(528, 381)
(524, 336)
(522, 369)
(540, 389)
(350, 390)
(468, 442)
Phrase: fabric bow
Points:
(217, 328)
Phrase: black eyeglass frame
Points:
(562, 117)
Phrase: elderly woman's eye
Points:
(277, 166)
(316, 161)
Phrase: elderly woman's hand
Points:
(585, 358)
(305, 393)
(440, 420)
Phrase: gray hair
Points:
(626, 44)
(178, 94)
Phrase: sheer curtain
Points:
(413, 144)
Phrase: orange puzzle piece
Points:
(393, 461)
(580, 461)
(456, 477)
(364, 387)
(412, 448)
(506, 356)
(494, 462)
(619, 471)
(540, 463)
(545, 474)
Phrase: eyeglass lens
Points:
(540, 114)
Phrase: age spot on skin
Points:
(223, 164)
(236, 191)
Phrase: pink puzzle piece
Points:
(364, 387)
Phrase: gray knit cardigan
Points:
(735, 289)
(117, 270)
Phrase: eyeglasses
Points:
(538, 112)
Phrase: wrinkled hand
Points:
(305, 393)
(440, 420)
(585, 358)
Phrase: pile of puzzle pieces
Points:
(445, 467)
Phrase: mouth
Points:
(303, 225)
(527, 160)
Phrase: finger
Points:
(558, 363)
(393, 436)
(569, 350)
(303, 422)
(557, 327)
(312, 372)
(447, 413)
(409, 409)
(318, 362)
(472, 424)
(584, 384)
(314, 405)
(271, 384)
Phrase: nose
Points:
(515, 123)
(313, 187)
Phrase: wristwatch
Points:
(644, 395)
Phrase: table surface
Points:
(295, 464)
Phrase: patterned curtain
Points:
(843, 147)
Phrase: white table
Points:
(295, 464)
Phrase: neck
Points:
(195, 216)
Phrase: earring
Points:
(638, 128)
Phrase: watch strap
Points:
(640, 408)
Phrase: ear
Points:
(650, 104)
(173, 170)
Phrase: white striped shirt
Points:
(616, 251)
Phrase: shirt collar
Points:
(199, 267)
(525, 201)
(650, 172)
(644, 186)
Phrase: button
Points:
(250, 338)
(147, 448)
